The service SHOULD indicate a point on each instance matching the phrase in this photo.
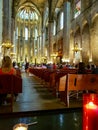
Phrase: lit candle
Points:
(90, 112)
(20, 127)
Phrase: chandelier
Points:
(76, 48)
(54, 54)
(12, 54)
(7, 45)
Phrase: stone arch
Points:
(77, 39)
(94, 38)
(85, 43)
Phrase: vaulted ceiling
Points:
(39, 4)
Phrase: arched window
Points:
(28, 14)
(26, 33)
(17, 33)
(54, 28)
(61, 20)
(36, 33)
(77, 8)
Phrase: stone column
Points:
(29, 42)
(23, 46)
(40, 39)
(38, 47)
(1, 22)
(66, 31)
(43, 44)
(7, 10)
(50, 29)
(18, 42)
(33, 49)
(90, 45)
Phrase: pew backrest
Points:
(6, 84)
(80, 82)
(10, 84)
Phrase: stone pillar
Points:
(13, 30)
(38, 47)
(90, 45)
(50, 29)
(7, 10)
(66, 31)
(29, 42)
(33, 49)
(1, 22)
(23, 36)
(18, 42)
(40, 39)
(18, 49)
(43, 44)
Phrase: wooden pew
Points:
(61, 87)
(10, 84)
(79, 82)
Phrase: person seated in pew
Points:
(81, 68)
(6, 68)
(95, 70)
(16, 67)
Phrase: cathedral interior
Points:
(47, 31)
(52, 31)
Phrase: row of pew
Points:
(50, 78)
(64, 81)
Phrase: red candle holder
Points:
(90, 112)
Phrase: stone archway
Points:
(85, 44)
(94, 40)
(77, 39)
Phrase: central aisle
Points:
(35, 97)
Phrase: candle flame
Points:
(91, 105)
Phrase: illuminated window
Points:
(77, 8)
(61, 20)
(36, 33)
(17, 33)
(26, 33)
(28, 14)
(54, 28)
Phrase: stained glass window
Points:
(77, 8)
